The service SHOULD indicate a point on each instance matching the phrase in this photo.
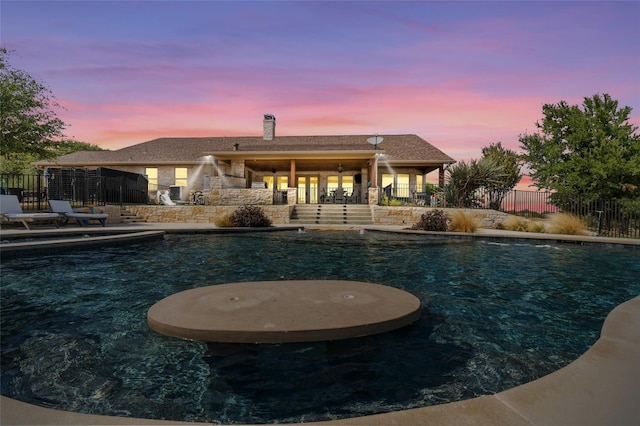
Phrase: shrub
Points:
(391, 202)
(249, 216)
(224, 222)
(434, 220)
(565, 223)
(536, 226)
(515, 223)
(462, 221)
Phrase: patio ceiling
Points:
(307, 165)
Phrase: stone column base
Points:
(372, 196)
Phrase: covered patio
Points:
(332, 177)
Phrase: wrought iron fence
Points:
(280, 197)
(613, 218)
(80, 187)
(31, 190)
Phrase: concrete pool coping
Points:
(600, 387)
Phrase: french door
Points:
(307, 189)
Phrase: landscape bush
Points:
(515, 223)
(566, 223)
(434, 220)
(536, 226)
(391, 202)
(249, 216)
(224, 221)
(462, 221)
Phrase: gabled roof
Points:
(396, 148)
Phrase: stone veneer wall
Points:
(239, 196)
(409, 215)
(280, 214)
(217, 182)
(112, 210)
(201, 214)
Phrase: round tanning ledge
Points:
(283, 311)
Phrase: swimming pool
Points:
(74, 335)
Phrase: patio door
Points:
(307, 189)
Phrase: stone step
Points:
(331, 214)
(128, 217)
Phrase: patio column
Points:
(441, 176)
(292, 181)
(373, 172)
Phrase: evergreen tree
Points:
(590, 152)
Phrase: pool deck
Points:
(601, 387)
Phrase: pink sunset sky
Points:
(461, 75)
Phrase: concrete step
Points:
(331, 214)
(128, 217)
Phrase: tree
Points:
(28, 124)
(19, 163)
(69, 146)
(29, 128)
(511, 167)
(590, 152)
(465, 178)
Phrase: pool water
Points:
(496, 315)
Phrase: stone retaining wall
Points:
(112, 210)
(239, 196)
(409, 215)
(279, 214)
(201, 214)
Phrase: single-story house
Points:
(271, 169)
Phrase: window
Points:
(269, 181)
(419, 183)
(283, 183)
(181, 176)
(152, 177)
(347, 184)
(387, 179)
(332, 183)
(302, 189)
(403, 185)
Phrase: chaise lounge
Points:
(12, 212)
(66, 212)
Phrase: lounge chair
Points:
(12, 212)
(164, 198)
(66, 212)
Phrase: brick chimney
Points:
(269, 127)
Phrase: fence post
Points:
(39, 189)
(121, 189)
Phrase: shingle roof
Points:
(395, 147)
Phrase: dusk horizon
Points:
(461, 75)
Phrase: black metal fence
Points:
(613, 218)
(31, 190)
(610, 217)
(80, 187)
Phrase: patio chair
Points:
(340, 197)
(12, 212)
(66, 212)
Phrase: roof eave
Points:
(427, 162)
(296, 155)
